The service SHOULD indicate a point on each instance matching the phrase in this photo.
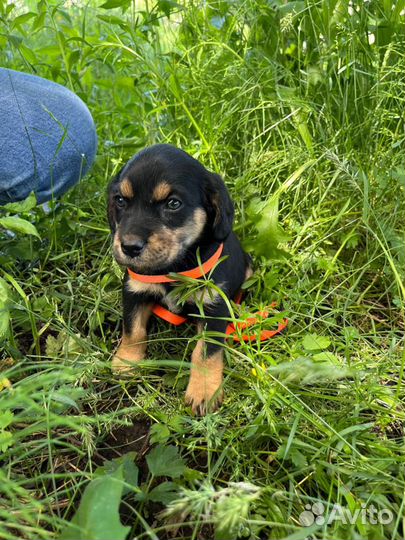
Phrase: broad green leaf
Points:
(111, 4)
(313, 342)
(249, 282)
(6, 440)
(110, 19)
(165, 493)
(39, 21)
(350, 333)
(4, 310)
(97, 517)
(165, 461)
(293, 6)
(15, 40)
(68, 345)
(53, 345)
(167, 6)
(66, 400)
(159, 433)
(177, 423)
(326, 356)
(21, 19)
(264, 215)
(73, 59)
(17, 224)
(5, 419)
(65, 15)
(130, 470)
(298, 458)
(28, 54)
(49, 50)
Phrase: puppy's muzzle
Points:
(132, 246)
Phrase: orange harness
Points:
(200, 271)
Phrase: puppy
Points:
(166, 210)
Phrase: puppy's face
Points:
(161, 203)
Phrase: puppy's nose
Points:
(132, 247)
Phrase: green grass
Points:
(303, 114)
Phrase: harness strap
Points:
(232, 328)
(195, 273)
(168, 316)
(264, 335)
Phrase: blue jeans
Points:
(48, 139)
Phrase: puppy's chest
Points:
(166, 295)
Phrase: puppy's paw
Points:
(204, 393)
(124, 360)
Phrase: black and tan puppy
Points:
(165, 207)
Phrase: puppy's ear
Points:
(219, 206)
(110, 202)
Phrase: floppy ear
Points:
(110, 202)
(219, 206)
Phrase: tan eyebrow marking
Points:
(161, 191)
(126, 189)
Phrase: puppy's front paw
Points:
(125, 359)
(203, 402)
(204, 391)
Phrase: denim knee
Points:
(48, 139)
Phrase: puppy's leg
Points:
(204, 392)
(133, 345)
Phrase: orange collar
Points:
(195, 273)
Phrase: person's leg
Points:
(47, 137)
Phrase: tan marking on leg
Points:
(161, 191)
(133, 345)
(204, 391)
(126, 188)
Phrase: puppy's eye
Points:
(119, 201)
(173, 204)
